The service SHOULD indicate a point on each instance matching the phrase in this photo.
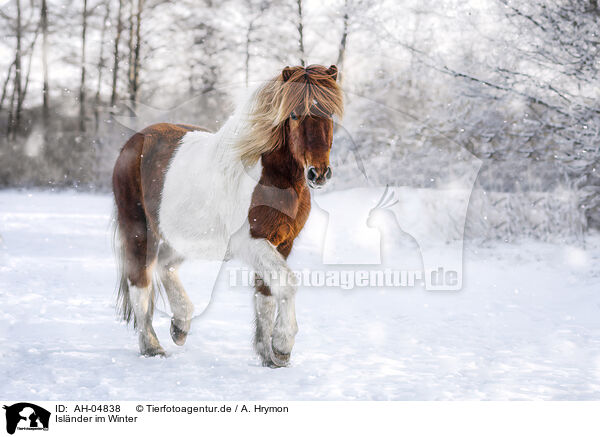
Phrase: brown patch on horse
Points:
(131, 216)
(280, 202)
(280, 205)
(138, 180)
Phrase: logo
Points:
(25, 416)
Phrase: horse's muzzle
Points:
(316, 179)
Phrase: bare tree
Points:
(82, 94)
(342, 47)
(248, 44)
(354, 16)
(100, 66)
(15, 119)
(130, 47)
(255, 12)
(17, 99)
(208, 42)
(28, 74)
(138, 43)
(300, 27)
(5, 86)
(115, 70)
(46, 86)
(135, 24)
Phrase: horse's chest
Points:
(278, 214)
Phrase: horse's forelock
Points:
(309, 87)
(305, 89)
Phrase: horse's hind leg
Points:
(139, 247)
(139, 270)
(182, 307)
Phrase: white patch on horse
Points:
(206, 196)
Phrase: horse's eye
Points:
(293, 116)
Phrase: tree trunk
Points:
(82, 85)
(414, 68)
(301, 34)
(131, 47)
(100, 67)
(28, 75)
(15, 119)
(135, 24)
(137, 60)
(11, 114)
(248, 43)
(5, 86)
(113, 97)
(45, 87)
(134, 52)
(343, 42)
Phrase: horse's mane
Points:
(310, 90)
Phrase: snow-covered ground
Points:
(526, 324)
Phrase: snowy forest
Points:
(429, 86)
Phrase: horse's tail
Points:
(124, 308)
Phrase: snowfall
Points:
(524, 326)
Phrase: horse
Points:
(243, 192)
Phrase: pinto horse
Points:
(182, 192)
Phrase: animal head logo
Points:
(388, 200)
(26, 416)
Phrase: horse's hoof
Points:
(177, 334)
(149, 345)
(279, 359)
(155, 352)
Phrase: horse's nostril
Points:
(328, 173)
(311, 174)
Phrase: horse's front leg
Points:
(286, 327)
(265, 309)
(274, 338)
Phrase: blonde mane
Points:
(305, 91)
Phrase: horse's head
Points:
(295, 111)
(310, 97)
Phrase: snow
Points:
(525, 325)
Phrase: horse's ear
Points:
(286, 73)
(333, 72)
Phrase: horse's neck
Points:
(281, 170)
